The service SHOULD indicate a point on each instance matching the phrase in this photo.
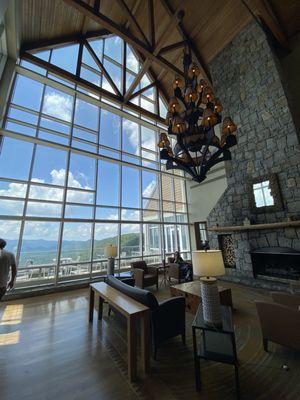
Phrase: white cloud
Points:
(131, 129)
(58, 105)
(44, 193)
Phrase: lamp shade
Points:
(111, 251)
(208, 263)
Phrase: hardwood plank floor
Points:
(49, 351)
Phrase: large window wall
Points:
(76, 175)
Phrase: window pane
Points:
(24, 130)
(167, 188)
(107, 213)
(108, 183)
(58, 104)
(9, 231)
(148, 138)
(82, 172)
(45, 193)
(130, 215)
(115, 73)
(183, 237)
(113, 48)
(130, 188)
(79, 212)
(110, 129)
(131, 61)
(105, 234)
(130, 240)
(12, 189)
(65, 57)
(36, 250)
(179, 190)
(11, 207)
(49, 165)
(36, 209)
(170, 238)
(151, 239)
(15, 157)
(27, 93)
(130, 137)
(150, 187)
(22, 116)
(79, 196)
(55, 126)
(76, 243)
(86, 115)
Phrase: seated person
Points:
(186, 269)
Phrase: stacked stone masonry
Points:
(247, 79)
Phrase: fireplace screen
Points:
(227, 247)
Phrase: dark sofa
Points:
(167, 317)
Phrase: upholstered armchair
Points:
(144, 276)
(167, 317)
(280, 321)
(174, 270)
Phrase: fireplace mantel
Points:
(239, 228)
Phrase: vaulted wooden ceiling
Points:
(210, 25)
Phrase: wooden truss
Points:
(147, 47)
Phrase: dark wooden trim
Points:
(63, 41)
(173, 46)
(151, 23)
(263, 13)
(137, 79)
(89, 86)
(144, 89)
(182, 31)
(96, 5)
(109, 24)
(101, 66)
(124, 69)
(132, 19)
(197, 234)
(79, 59)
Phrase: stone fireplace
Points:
(247, 78)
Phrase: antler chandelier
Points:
(193, 112)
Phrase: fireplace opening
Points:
(276, 262)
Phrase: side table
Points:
(217, 344)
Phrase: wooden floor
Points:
(49, 351)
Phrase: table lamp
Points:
(111, 253)
(209, 264)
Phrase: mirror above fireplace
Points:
(264, 194)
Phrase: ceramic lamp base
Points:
(111, 266)
(212, 313)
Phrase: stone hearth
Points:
(247, 79)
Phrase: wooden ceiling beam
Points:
(172, 47)
(202, 65)
(151, 23)
(63, 40)
(89, 86)
(144, 89)
(133, 21)
(101, 66)
(137, 79)
(261, 10)
(109, 24)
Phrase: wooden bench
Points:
(133, 311)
